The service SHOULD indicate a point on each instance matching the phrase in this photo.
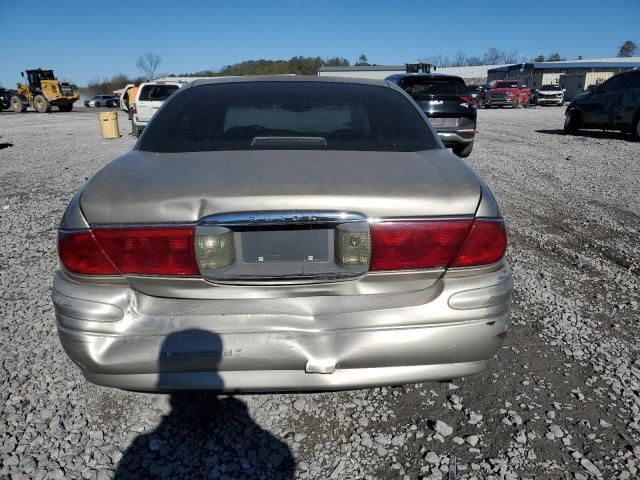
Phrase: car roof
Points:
(288, 78)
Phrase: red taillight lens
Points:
(150, 251)
(80, 253)
(468, 99)
(135, 251)
(485, 244)
(412, 245)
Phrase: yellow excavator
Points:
(43, 91)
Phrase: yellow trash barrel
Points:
(109, 124)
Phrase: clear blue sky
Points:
(82, 40)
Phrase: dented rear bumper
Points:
(122, 338)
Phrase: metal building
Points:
(472, 74)
(537, 74)
(533, 74)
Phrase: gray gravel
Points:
(561, 400)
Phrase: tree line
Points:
(149, 64)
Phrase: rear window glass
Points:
(507, 85)
(424, 86)
(288, 115)
(631, 80)
(156, 92)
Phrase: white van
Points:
(151, 96)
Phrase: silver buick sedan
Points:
(283, 233)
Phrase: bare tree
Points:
(493, 56)
(460, 60)
(512, 57)
(434, 60)
(149, 63)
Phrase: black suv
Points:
(612, 105)
(446, 100)
(478, 92)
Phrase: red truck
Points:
(508, 93)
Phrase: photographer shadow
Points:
(206, 434)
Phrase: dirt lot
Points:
(561, 400)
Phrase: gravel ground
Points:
(561, 400)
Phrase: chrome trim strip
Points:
(142, 225)
(324, 217)
(282, 217)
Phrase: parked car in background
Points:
(612, 105)
(5, 98)
(283, 233)
(552, 94)
(508, 93)
(151, 96)
(446, 100)
(478, 92)
(124, 97)
(101, 101)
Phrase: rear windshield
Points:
(506, 85)
(550, 87)
(287, 116)
(425, 86)
(156, 92)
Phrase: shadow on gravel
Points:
(5, 145)
(206, 435)
(591, 134)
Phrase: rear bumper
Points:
(122, 338)
(455, 138)
(139, 123)
(550, 101)
(500, 103)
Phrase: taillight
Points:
(80, 253)
(424, 244)
(215, 248)
(468, 99)
(413, 245)
(486, 244)
(135, 251)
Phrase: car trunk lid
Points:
(151, 188)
